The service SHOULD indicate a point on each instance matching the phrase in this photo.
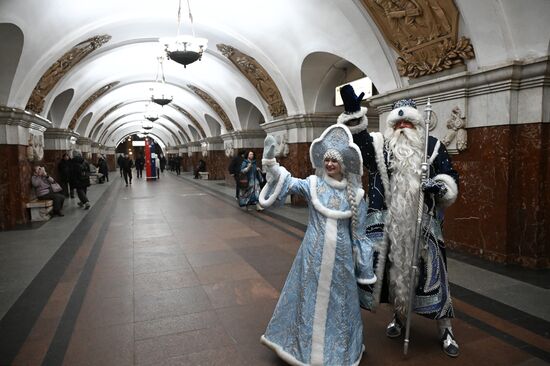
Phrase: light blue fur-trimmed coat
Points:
(317, 320)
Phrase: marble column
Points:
(21, 147)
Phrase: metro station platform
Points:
(173, 272)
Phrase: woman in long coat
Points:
(317, 320)
(248, 196)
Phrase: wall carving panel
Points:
(90, 101)
(60, 68)
(423, 32)
(214, 105)
(258, 76)
(193, 120)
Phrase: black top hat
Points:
(352, 102)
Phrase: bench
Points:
(40, 209)
(203, 175)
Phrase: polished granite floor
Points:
(174, 273)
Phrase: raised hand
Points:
(269, 148)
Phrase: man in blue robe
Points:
(393, 160)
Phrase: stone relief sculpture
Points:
(282, 149)
(35, 147)
(193, 120)
(60, 68)
(456, 128)
(229, 150)
(423, 32)
(214, 105)
(101, 91)
(258, 76)
(204, 149)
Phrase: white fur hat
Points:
(405, 109)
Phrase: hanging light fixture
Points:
(150, 113)
(159, 93)
(147, 125)
(185, 49)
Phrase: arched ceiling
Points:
(296, 42)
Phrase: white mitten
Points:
(269, 162)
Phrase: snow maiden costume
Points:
(393, 161)
(317, 320)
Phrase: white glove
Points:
(269, 163)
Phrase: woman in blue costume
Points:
(249, 196)
(317, 320)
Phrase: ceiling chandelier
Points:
(184, 49)
(147, 125)
(150, 113)
(159, 93)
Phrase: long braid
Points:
(353, 204)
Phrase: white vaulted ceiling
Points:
(284, 36)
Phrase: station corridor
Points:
(174, 273)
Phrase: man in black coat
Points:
(235, 168)
(80, 178)
(64, 170)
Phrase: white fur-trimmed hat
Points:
(337, 137)
(405, 109)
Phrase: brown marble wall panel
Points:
(298, 164)
(94, 158)
(502, 210)
(15, 186)
(216, 165)
(111, 162)
(51, 161)
(185, 163)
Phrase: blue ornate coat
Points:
(317, 319)
(433, 298)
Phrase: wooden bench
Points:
(203, 175)
(40, 209)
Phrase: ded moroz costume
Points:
(317, 320)
(393, 160)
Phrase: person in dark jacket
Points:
(103, 168)
(235, 168)
(119, 162)
(162, 163)
(127, 165)
(140, 164)
(64, 174)
(80, 178)
(177, 164)
(200, 168)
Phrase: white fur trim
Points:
(367, 281)
(378, 144)
(283, 174)
(291, 360)
(327, 212)
(269, 161)
(409, 114)
(360, 195)
(284, 355)
(435, 152)
(344, 117)
(362, 126)
(452, 190)
(323, 292)
(335, 183)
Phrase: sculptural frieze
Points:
(101, 91)
(258, 76)
(60, 68)
(193, 120)
(456, 129)
(214, 105)
(423, 32)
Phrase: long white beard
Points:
(406, 149)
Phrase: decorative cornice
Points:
(60, 68)
(53, 133)
(423, 33)
(258, 76)
(513, 76)
(19, 117)
(193, 120)
(90, 101)
(214, 105)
